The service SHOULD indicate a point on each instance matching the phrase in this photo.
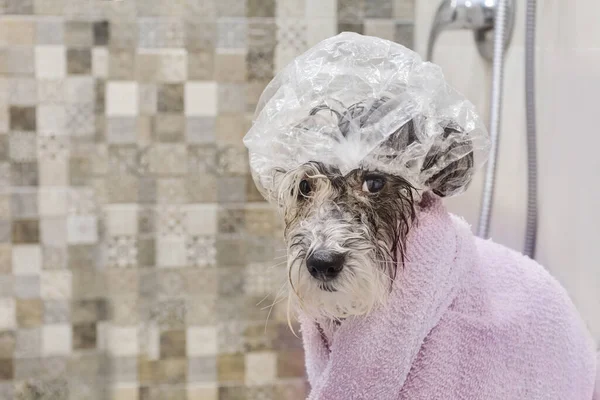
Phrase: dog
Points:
(356, 142)
(345, 233)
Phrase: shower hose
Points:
(495, 116)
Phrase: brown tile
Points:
(7, 372)
(231, 368)
(147, 370)
(24, 174)
(25, 231)
(170, 127)
(146, 252)
(233, 393)
(260, 64)
(86, 311)
(201, 65)
(260, 8)
(231, 252)
(22, 118)
(170, 98)
(79, 61)
(5, 258)
(3, 148)
(29, 313)
(351, 27)
(172, 344)
(290, 364)
(261, 336)
(172, 371)
(230, 67)
(7, 344)
(99, 101)
(84, 336)
(78, 33)
(252, 193)
(101, 33)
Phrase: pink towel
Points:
(467, 319)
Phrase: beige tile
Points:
(261, 368)
(29, 312)
(231, 368)
(202, 392)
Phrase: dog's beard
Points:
(362, 285)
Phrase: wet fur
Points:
(368, 228)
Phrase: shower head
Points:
(476, 15)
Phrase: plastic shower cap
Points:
(356, 101)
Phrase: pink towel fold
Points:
(467, 319)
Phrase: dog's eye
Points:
(373, 184)
(304, 188)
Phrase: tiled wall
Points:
(133, 246)
(568, 83)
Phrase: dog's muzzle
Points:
(325, 265)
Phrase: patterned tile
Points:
(130, 260)
(404, 34)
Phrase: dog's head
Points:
(345, 140)
(345, 233)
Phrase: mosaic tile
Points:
(231, 8)
(78, 33)
(173, 344)
(351, 11)
(384, 29)
(160, 33)
(231, 33)
(110, 106)
(201, 65)
(18, 7)
(17, 32)
(5, 231)
(7, 344)
(123, 35)
(404, 9)
(27, 287)
(25, 231)
(291, 8)
(29, 313)
(260, 64)
(230, 66)
(56, 311)
(200, 130)
(79, 61)
(22, 91)
(202, 392)
(230, 368)
(404, 34)
(173, 66)
(84, 312)
(378, 8)
(263, 9)
(122, 64)
(101, 33)
(170, 98)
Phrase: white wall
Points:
(568, 93)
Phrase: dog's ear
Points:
(454, 145)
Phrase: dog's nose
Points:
(325, 265)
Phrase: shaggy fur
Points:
(363, 216)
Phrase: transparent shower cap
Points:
(356, 101)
